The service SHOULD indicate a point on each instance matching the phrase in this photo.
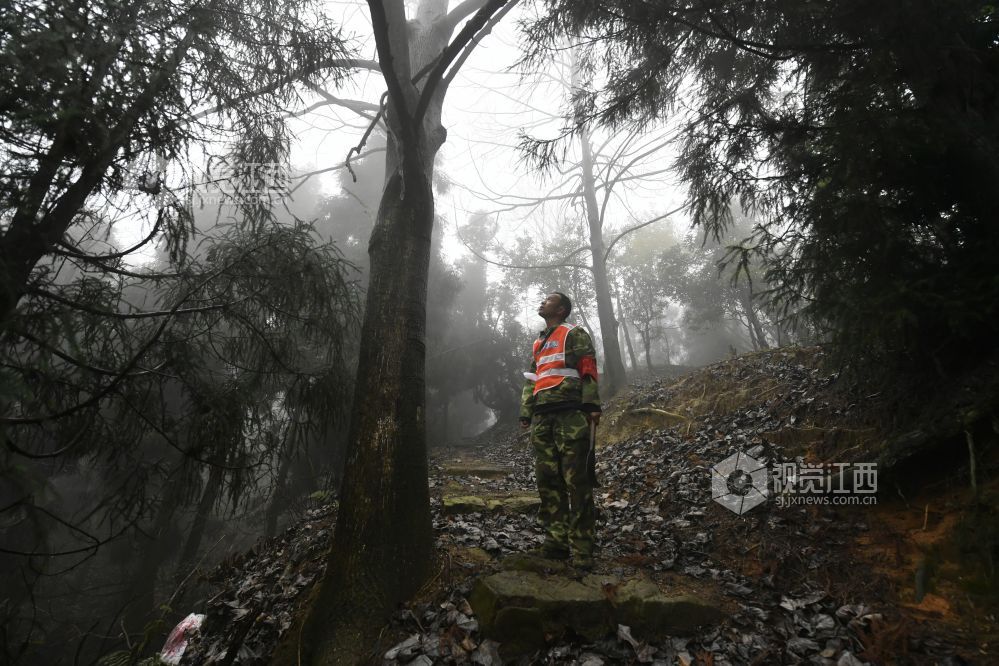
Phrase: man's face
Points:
(551, 306)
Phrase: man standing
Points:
(560, 404)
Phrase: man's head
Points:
(555, 306)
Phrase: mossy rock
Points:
(453, 505)
(641, 605)
(534, 563)
(518, 503)
(520, 608)
(458, 504)
(474, 555)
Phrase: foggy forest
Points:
(496, 331)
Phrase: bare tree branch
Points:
(306, 176)
(291, 77)
(72, 251)
(358, 106)
(561, 263)
(467, 51)
(627, 231)
(452, 51)
(460, 13)
(364, 138)
(392, 33)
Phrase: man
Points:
(560, 404)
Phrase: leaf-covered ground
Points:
(817, 584)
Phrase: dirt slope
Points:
(903, 581)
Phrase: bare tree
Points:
(592, 175)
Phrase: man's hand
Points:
(593, 417)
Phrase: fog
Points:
(172, 404)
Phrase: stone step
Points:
(453, 505)
(483, 470)
(521, 608)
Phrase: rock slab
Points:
(483, 470)
(520, 609)
(453, 505)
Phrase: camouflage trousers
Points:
(561, 442)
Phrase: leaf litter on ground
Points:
(657, 518)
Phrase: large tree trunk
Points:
(383, 542)
(614, 373)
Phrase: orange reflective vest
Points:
(549, 360)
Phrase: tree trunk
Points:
(445, 436)
(752, 334)
(647, 344)
(580, 311)
(614, 373)
(205, 506)
(277, 503)
(142, 595)
(627, 338)
(383, 541)
(754, 321)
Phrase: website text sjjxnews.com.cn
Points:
(787, 501)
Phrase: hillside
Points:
(905, 580)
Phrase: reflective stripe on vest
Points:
(560, 372)
(550, 359)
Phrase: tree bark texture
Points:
(382, 546)
(383, 542)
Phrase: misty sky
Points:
(486, 106)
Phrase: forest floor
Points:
(899, 581)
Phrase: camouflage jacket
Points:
(572, 392)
